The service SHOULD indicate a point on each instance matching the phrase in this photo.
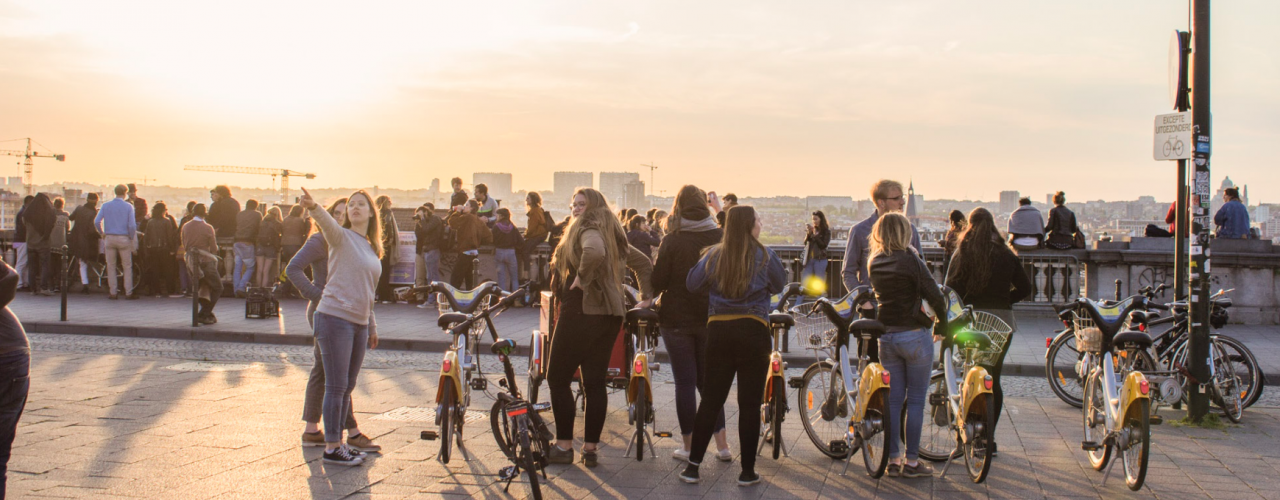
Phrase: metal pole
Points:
(1180, 235)
(67, 262)
(1199, 268)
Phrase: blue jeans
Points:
(342, 345)
(431, 261)
(815, 267)
(245, 262)
(508, 269)
(908, 356)
(687, 348)
(15, 383)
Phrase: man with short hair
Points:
(459, 196)
(1026, 226)
(247, 223)
(223, 212)
(1233, 218)
(488, 206)
(887, 196)
(201, 244)
(119, 228)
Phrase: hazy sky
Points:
(761, 98)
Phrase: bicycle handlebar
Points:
(502, 304)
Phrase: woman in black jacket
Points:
(40, 219)
(816, 238)
(1061, 227)
(683, 315)
(160, 244)
(988, 275)
(84, 238)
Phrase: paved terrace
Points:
(121, 418)
(404, 327)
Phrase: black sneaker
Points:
(690, 474)
(748, 478)
(920, 469)
(559, 456)
(342, 456)
(354, 452)
(590, 458)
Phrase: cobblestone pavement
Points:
(149, 418)
(405, 327)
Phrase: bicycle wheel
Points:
(448, 400)
(875, 446)
(823, 412)
(977, 452)
(1060, 368)
(937, 440)
(642, 419)
(527, 461)
(1134, 458)
(501, 426)
(1095, 421)
(778, 408)
(1246, 367)
(1226, 385)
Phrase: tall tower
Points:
(912, 209)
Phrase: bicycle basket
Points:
(995, 328)
(813, 331)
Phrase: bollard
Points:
(66, 268)
(1118, 290)
(193, 281)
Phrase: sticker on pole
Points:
(1173, 136)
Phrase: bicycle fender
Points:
(1056, 338)
(452, 376)
(639, 374)
(975, 384)
(873, 380)
(775, 369)
(537, 354)
(1130, 392)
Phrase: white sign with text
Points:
(1173, 136)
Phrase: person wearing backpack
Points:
(160, 241)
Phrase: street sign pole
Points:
(1202, 132)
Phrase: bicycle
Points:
(1117, 404)
(460, 370)
(817, 332)
(1165, 359)
(961, 400)
(858, 396)
(773, 410)
(642, 325)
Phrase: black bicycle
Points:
(518, 427)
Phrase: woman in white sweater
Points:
(344, 322)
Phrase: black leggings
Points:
(740, 347)
(581, 341)
(460, 277)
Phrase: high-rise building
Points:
(633, 196)
(566, 183)
(1008, 201)
(10, 203)
(499, 184)
(613, 185)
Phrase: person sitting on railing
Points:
(1232, 219)
(1026, 226)
(989, 276)
(1063, 231)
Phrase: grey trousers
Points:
(313, 402)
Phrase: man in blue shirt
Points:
(1233, 218)
(116, 223)
(887, 196)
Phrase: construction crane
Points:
(284, 175)
(27, 156)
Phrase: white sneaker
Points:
(724, 455)
(680, 454)
(426, 305)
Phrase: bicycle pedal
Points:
(479, 384)
(796, 383)
(655, 367)
(1090, 446)
(662, 434)
(428, 435)
(838, 446)
(1156, 420)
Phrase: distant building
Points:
(820, 202)
(565, 183)
(915, 204)
(499, 183)
(633, 196)
(10, 203)
(1008, 201)
(613, 185)
(433, 193)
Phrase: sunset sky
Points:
(760, 98)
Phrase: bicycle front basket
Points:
(995, 328)
(814, 331)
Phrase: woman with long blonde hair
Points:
(587, 277)
(740, 275)
(901, 281)
(344, 322)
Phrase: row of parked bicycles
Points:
(842, 398)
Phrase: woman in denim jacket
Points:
(740, 274)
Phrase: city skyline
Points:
(761, 98)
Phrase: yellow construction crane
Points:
(27, 156)
(284, 175)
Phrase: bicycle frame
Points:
(960, 397)
(774, 381)
(861, 385)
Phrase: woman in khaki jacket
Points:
(587, 277)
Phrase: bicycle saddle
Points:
(1131, 339)
(867, 328)
(447, 320)
(503, 347)
(970, 338)
(641, 313)
(466, 301)
(1143, 317)
(782, 319)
